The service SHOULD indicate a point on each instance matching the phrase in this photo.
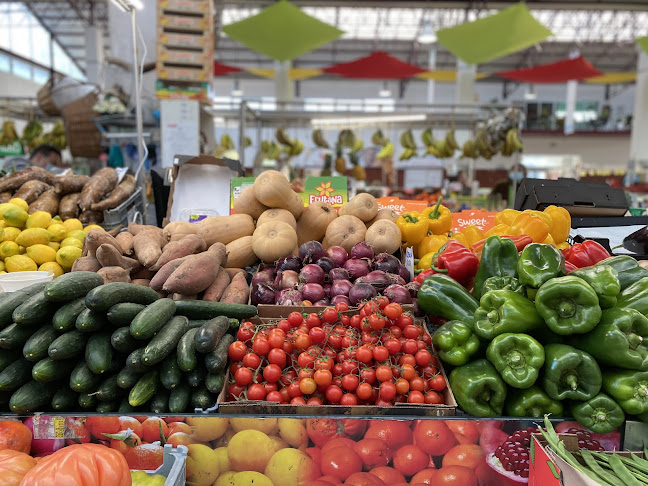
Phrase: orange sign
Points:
(484, 220)
(401, 205)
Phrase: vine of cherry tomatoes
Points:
(378, 356)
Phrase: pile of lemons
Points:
(38, 241)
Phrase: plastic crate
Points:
(174, 467)
(131, 210)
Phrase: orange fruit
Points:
(178, 427)
(100, 425)
(15, 435)
(364, 479)
(122, 446)
(152, 427)
(467, 455)
(410, 459)
(426, 476)
(180, 438)
(465, 431)
(396, 433)
(131, 423)
(146, 456)
(373, 452)
(433, 437)
(455, 476)
(389, 475)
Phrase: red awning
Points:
(557, 72)
(378, 65)
(223, 69)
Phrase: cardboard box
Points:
(198, 40)
(193, 57)
(184, 73)
(196, 23)
(185, 6)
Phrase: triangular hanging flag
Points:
(224, 69)
(377, 65)
(613, 78)
(643, 43)
(557, 72)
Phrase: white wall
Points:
(14, 86)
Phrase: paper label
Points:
(48, 427)
(237, 185)
(409, 261)
(484, 220)
(401, 206)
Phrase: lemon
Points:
(4, 207)
(16, 217)
(55, 245)
(58, 230)
(79, 235)
(251, 477)
(66, 256)
(20, 263)
(71, 242)
(2, 266)
(2, 223)
(225, 479)
(34, 236)
(41, 254)
(73, 225)
(10, 234)
(40, 219)
(57, 218)
(8, 249)
(1, 233)
(22, 250)
(52, 267)
(91, 227)
(21, 203)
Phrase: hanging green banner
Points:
(643, 43)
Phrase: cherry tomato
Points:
(370, 338)
(317, 335)
(337, 370)
(276, 340)
(236, 350)
(323, 377)
(245, 334)
(305, 360)
(364, 354)
(364, 391)
(341, 307)
(256, 392)
(333, 394)
(243, 376)
(387, 390)
(349, 399)
(370, 308)
(349, 342)
(404, 320)
(235, 366)
(307, 386)
(349, 368)
(295, 319)
(274, 396)
(298, 401)
(330, 315)
(427, 339)
(335, 340)
(270, 387)
(260, 346)
(277, 356)
(368, 375)
(407, 371)
(437, 383)
(384, 373)
(433, 398)
(402, 386)
(302, 342)
(377, 322)
(412, 332)
(235, 391)
(324, 363)
(393, 310)
(305, 373)
(395, 331)
(428, 372)
(423, 357)
(356, 321)
(251, 360)
(272, 373)
(380, 353)
(285, 396)
(415, 397)
(410, 347)
(312, 320)
(288, 347)
(294, 390)
(284, 325)
(350, 382)
(382, 301)
(417, 384)
(314, 401)
(345, 320)
(407, 359)
(288, 377)
(393, 346)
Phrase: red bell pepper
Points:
(423, 275)
(570, 267)
(585, 254)
(457, 261)
(521, 241)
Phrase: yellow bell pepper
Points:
(506, 217)
(413, 226)
(499, 230)
(560, 223)
(472, 235)
(426, 261)
(439, 218)
(563, 246)
(549, 240)
(539, 214)
(430, 244)
(527, 224)
(461, 238)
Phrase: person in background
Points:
(503, 187)
(459, 184)
(47, 157)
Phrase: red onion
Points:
(338, 274)
(404, 273)
(396, 279)
(386, 262)
(311, 251)
(377, 278)
(340, 298)
(322, 303)
(361, 293)
(417, 311)
(287, 279)
(289, 297)
(326, 264)
(288, 263)
(43, 447)
(362, 250)
(262, 294)
(327, 290)
(341, 287)
(267, 275)
(356, 267)
(398, 293)
(312, 292)
(312, 273)
(338, 254)
(413, 288)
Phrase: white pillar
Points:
(638, 138)
(283, 84)
(570, 107)
(94, 54)
(466, 74)
(431, 67)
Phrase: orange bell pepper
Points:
(527, 224)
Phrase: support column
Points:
(638, 139)
(94, 54)
(570, 107)
(284, 91)
(466, 74)
(431, 67)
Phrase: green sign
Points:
(331, 190)
(13, 149)
(237, 184)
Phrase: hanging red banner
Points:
(377, 65)
(557, 72)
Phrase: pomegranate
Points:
(610, 441)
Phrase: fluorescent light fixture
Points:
(237, 92)
(427, 35)
(128, 5)
(531, 93)
(385, 91)
(355, 120)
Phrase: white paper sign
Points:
(180, 123)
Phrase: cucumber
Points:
(160, 402)
(170, 374)
(215, 382)
(64, 400)
(109, 390)
(148, 322)
(10, 301)
(68, 345)
(48, 370)
(14, 336)
(99, 353)
(82, 380)
(234, 324)
(179, 398)
(107, 407)
(196, 377)
(102, 298)
(36, 346)
(200, 309)
(126, 379)
(144, 390)
(89, 321)
(165, 341)
(8, 357)
(134, 362)
(122, 340)
(197, 322)
(87, 401)
(32, 397)
(126, 408)
(71, 286)
(123, 314)
(34, 311)
(65, 318)
(16, 375)
(201, 398)
(210, 333)
(216, 359)
(186, 350)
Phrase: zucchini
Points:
(107, 407)
(89, 321)
(123, 314)
(202, 399)
(68, 345)
(10, 301)
(48, 370)
(14, 336)
(16, 375)
(165, 341)
(134, 362)
(197, 322)
(64, 400)
(102, 298)
(34, 311)
(109, 390)
(126, 379)
(99, 353)
(196, 377)
(8, 357)
(200, 309)
(179, 398)
(160, 402)
(87, 401)
(186, 351)
(72, 286)
(82, 380)
(215, 382)
(36, 346)
(122, 340)
(210, 333)
(65, 318)
(144, 390)
(170, 374)
(33, 396)
(216, 359)
(148, 322)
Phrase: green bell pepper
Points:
(456, 343)
(600, 414)
(538, 263)
(627, 268)
(503, 311)
(570, 373)
(605, 282)
(568, 305)
(620, 339)
(532, 402)
(440, 295)
(478, 388)
(499, 259)
(517, 357)
(628, 388)
(503, 283)
(635, 296)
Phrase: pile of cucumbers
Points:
(77, 345)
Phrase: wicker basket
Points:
(44, 98)
(83, 136)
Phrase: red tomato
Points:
(333, 393)
(393, 310)
(260, 346)
(428, 372)
(298, 401)
(349, 368)
(330, 315)
(288, 347)
(415, 397)
(335, 340)
(243, 376)
(294, 390)
(382, 301)
(368, 375)
(237, 350)
(302, 342)
(364, 391)
(341, 307)
(396, 331)
(314, 401)
(245, 334)
(235, 366)
(274, 396)
(256, 392)
(307, 386)
(404, 320)
(438, 383)
(277, 356)
(272, 373)
(417, 383)
(324, 364)
(284, 325)
(377, 322)
(380, 353)
(384, 373)
(407, 371)
(412, 332)
(364, 354)
(323, 377)
(270, 387)
(276, 340)
(317, 335)
(288, 377)
(387, 390)
(433, 398)
(350, 382)
(410, 346)
(305, 360)
(349, 399)
(356, 321)
(337, 370)
(312, 320)
(251, 360)
(305, 373)
(402, 386)
(235, 391)
(423, 357)
(295, 319)
(393, 346)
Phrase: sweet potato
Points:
(114, 274)
(13, 181)
(148, 247)
(219, 251)
(115, 231)
(157, 282)
(179, 229)
(143, 274)
(162, 294)
(144, 282)
(91, 217)
(237, 292)
(119, 194)
(6, 196)
(232, 272)
(136, 229)
(48, 202)
(69, 206)
(184, 297)
(30, 191)
(70, 183)
(188, 245)
(215, 291)
(97, 237)
(86, 264)
(109, 256)
(100, 184)
(194, 275)
(125, 240)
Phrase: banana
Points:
(427, 137)
(9, 134)
(358, 146)
(378, 138)
(432, 150)
(282, 138)
(515, 139)
(407, 140)
(386, 151)
(469, 150)
(318, 138)
(247, 142)
(297, 148)
(226, 142)
(450, 140)
(347, 138)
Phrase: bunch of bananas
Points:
(441, 149)
(31, 133)
(408, 144)
(511, 143)
(386, 151)
(484, 146)
(347, 139)
(379, 139)
(55, 138)
(8, 135)
(291, 147)
(226, 142)
(247, 142)
(318, 139)
(270, 149)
